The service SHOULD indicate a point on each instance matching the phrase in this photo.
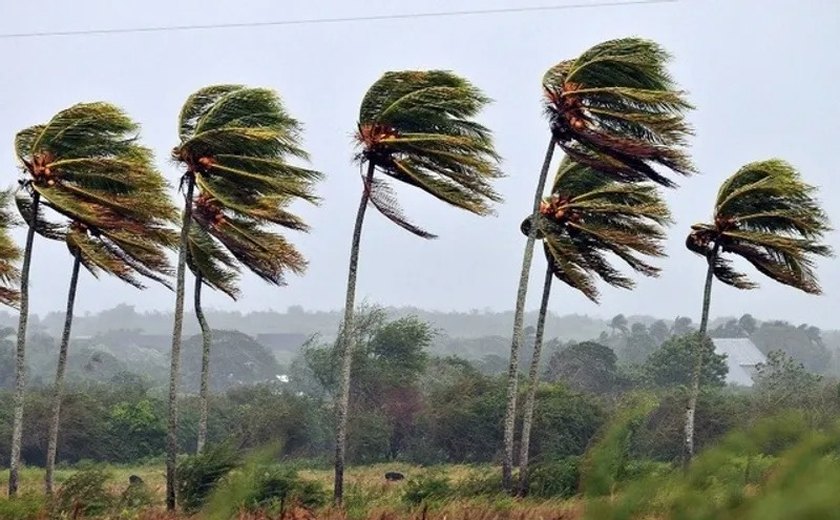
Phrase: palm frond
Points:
(617, 109)
(589, 218)
(418, 127)
(210, 260)
(10, 254)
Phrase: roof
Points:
(741, 358)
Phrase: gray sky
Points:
(762, 73)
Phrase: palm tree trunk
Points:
(20, 356)
(694, 389)
(58, 391)
(533, 383)
(175, 355)
(204, 392)
(518, 318)
(347, 342)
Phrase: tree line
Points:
(614, 111)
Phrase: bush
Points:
(428, 488)
(84, 494)
(24, 507)
(278, 486)
(555, 479)
(198, 475)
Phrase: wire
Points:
(314, 21)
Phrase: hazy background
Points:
(760, 90)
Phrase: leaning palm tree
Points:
(85, 165)
(766, 214)
(614, 108)
(132, 245)
(217, 247)
(235, 144)
(416, 127)
(587, 218)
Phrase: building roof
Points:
(741, 358)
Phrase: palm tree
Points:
(614, 108)
(235, 144)
(587, 218)
(768, 216)
(85, 165)
(416, 127)
(217, 247)
(9, 255)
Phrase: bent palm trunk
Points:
(533, 383)
(697, 367)
(175, 356)
(58, 391)
(204, 391)
(347, 342)
(518, 318)
(20, 355)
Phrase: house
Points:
(742, 356)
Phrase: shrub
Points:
(427, 488)
(24, 507)
(84, 494)
(555, 479)
(198, 475)
(278, 486)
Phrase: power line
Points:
(314, 21)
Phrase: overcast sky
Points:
(763, 74)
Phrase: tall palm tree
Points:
(9, 255)
(235, 145)
(132, 245)
(83, 164)
(416, 127)
(217, 247)
(766, 214)
(614, 108)
(587, 218)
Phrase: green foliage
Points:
(9, 255)
(139, 428)
(605, 463)
(199, 474)
(671, 364)
(588, 217)
(766, 214)
(586, 366)
(84, 494)
(28, 506)
(564, 422)
(428, 488)
(554, 479)
(417, 127)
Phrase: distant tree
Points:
(670, 365)
(619, 323)
(730, 329)
(659, 332)
(748, 324)
(782, 382)
(587, 366)
(767, 215)
(803, 343)
(682, 326)
(639, 345)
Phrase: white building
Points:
(742, 356)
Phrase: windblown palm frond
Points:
(237, 142)
(767, 215)
(113, 207)
(417, 127)
(588, 217)
(615, 108)
(9, 255)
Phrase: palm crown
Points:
(9, 255)
(236, 142)
(589, 216)
(417, 127)
(86, 165)
(616, 108)
(767, 215)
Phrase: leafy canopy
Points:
(617, 109)
(9, 255)
(237, 143)
(589, 217)
(766, 214)
(417, 127)
(87, 166)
